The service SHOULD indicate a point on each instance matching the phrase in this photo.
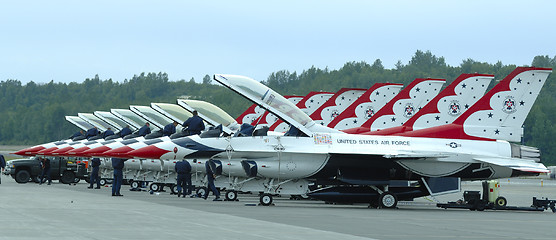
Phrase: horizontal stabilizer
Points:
(516, 164)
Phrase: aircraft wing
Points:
(515, 163)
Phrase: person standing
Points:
(170, 129)
(194, 125)
(118, 165)
(183, 169)
(2, 166)
(45, 165)
(144, 130)
(210, 180)
(95, 164)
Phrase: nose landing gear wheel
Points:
(387, 200)
(231, 195)
(265, 199)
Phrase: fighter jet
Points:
(375, 169)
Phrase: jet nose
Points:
(61, 151)
(29, 151)
(148, 152)
(77, 152)
(120, 152)
(96, 152)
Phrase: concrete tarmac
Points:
(58, 211)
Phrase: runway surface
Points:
(32, 211)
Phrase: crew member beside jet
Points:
(77, 134)
(145, 129)
(94, 174)
(2, 166)
(211, 187)
(118, 165)
(194, 125)
(170, 129)
(45, 165)
(183, 168)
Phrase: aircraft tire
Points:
(265, 199)
(501, 202)
(231, 195)
(388, 200)
(22, 176)
(155, 187)
(135, 184)
(201, 191)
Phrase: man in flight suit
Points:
(211, 187)
(183, 168)
(170, 129)
(194, 124)
(45, 164)
(107, 133)
(118, 165)
(125, 131)
(144, 130)
(95, 163)
(91, 132)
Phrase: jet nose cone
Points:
(29, 151)
(149, 152)
(77, 152)
(96, 152)
(61, 151)
(120, 152)
(46, 151)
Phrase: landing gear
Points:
(201, 191)
(265, 199)
(155, 187)
(387, 200)
(231, 195)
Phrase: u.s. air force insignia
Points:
(369, 112)
(453, 145)
(455, 108)
(509, 105)
(409, 110)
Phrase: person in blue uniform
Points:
(183, 169)
(125, 131)
(77, 134)
(211, 187)
(170, 129)
(118, 165)
(45, 165)
(91, 132)
(144, 130)
(95, 163)
(2, 166)
(107, 133)
(194, 125)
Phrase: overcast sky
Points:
(68, 41)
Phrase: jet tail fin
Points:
(499, 114)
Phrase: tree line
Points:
(34, 113)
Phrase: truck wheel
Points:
(67, 177)
(501, 202)
(22, 176)
(76, 180)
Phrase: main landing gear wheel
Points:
(135, 184)
(265, 199)
(501, 202)
(387, 200)
(201, 191)
(155, 187)
(231, 195)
